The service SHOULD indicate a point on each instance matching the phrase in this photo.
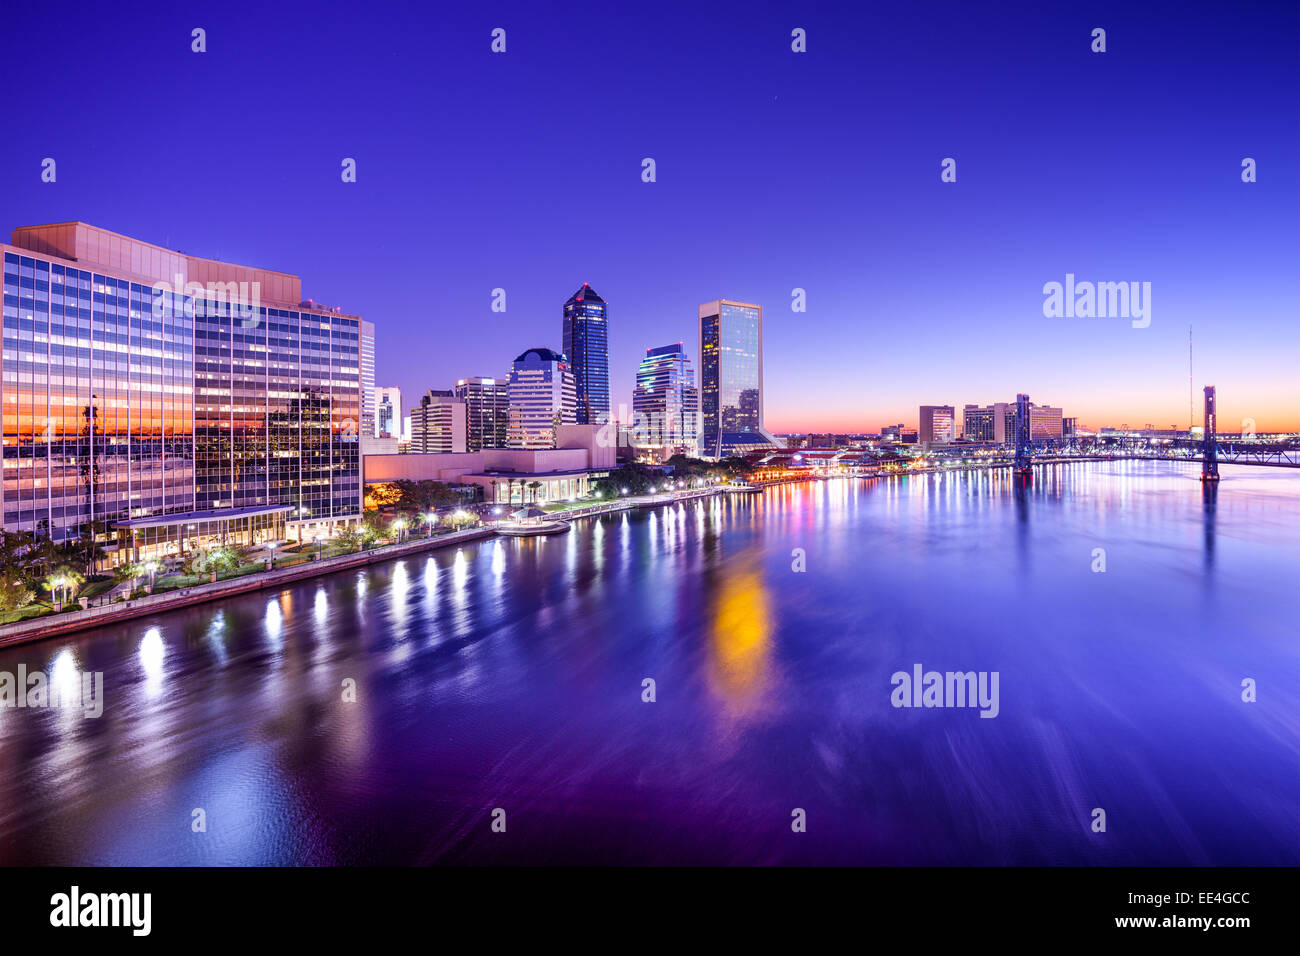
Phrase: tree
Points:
(63, 582)
(14, 593)
(217, 559)
(536, 486)
(25, 560)
(86, 550)
(349, 539)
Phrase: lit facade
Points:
(586, 343)
(938, 424)
(666, 402)
(173, 398)
(367, 331)
(388, 412)
(731, 379)
(997, 423)
(438, 424)
(542, 397)
(487, 410)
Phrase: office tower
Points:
(731, 379)
(989, 423)
(997, 422)
(438, 423)
(1045, 422)
(892, 432)
(367, 378)
(388, 412)
(666, 402)
(487, 408)
(938, 424)
(179, 400)
(586, 343)
(542, 397)
(1069, 427)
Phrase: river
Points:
(390, 715)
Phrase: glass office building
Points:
(176, 400)
(731, 379)
(666, 403)
(586, 343)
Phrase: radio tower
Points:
(1191, 405)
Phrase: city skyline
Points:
(889, 257)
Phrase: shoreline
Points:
(70, 622)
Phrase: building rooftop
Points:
(91, 246)
(585, 294)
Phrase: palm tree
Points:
(493, 483)
(63, 580)
(536, 486)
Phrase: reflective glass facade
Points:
(666, 401)
(586, 343)
(731, 378)
(124, 401)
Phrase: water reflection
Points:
(509, 672)
(740, 642)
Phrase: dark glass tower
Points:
(586, 344)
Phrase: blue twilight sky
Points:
(775, 170)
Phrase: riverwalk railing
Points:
(69, 621)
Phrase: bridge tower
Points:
(1210, 452)
(1024, 447)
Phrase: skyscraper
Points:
(367, 367)
(542, 397)
(179, 400)
(388, 412)
(731, 379)
(487, 410)
(438, 423)
(666, 402)
(938, 424)
(586, 343)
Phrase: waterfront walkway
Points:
(52, 625)
(69, 621)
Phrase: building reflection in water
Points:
(1209, 504)
(740, 643)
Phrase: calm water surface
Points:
(509, 674)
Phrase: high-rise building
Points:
(731, 379)
(487, 405)
(367, 367)
(997, 422)
(438, 423)
(176, 399)
(388, 412)
(989, 423)
(542, 397)
(666, 402)
(1045, 422)
(938, 424)
(586, 343)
